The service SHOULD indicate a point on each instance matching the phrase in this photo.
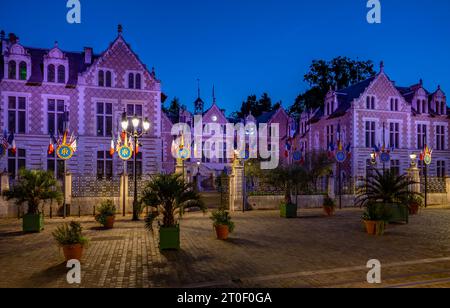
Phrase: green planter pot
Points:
(398, 213)
(288, 210)
(169, 238)
(33, 223)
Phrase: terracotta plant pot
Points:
(371, 227)
(413, 209)
(329, 210)
(73, 252)
(110, 222)
(222, 232)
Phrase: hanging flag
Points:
(112, 149)
(14, 148)
(51, 148)
(349, 150)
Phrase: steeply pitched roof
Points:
(266, 116)
(347, 95)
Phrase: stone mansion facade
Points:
(38, 86)
(377, 112)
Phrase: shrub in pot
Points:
(222, 223)
(329, 206)
(414, 204)
(32, 189)
(106, 214)
(168, 195)
(375, 218)
(70, 238)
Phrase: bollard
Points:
(51, 212)
(94, 210)
(79, 210)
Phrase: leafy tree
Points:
(33, 188)
(318, 165)
(174, 107)
(169, 195)
(341, 72)
(287, 177)
(256, 107)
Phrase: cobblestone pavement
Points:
(265, 251)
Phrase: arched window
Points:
(138, 81)
(12, 70)
(61, 74)
(101, 79)
(131, 81)
(23, 71)
(51, 73)
(108, 79)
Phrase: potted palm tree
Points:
(106, 214)
(222, 223)
(329, 206)
(33, 189)
(70, 238)
(169, 195)
(391, 190)
(287, 178)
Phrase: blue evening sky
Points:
(247, 46)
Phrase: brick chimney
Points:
(88, 54)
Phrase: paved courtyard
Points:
(265, 251)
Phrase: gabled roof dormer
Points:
(438, 102)
(56, 66)
(17, 61)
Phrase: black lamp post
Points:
(139, 130)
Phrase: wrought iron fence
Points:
(435, 185)
(91, 186)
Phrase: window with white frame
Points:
(370, 102)
(16, 161)
(51, 73)
(130, 165)
(135, 109)
(17, 114)
(394, 135)
(134, 81)
(61, 74)
(23, 71)
(394, 104)
(395, 167)
(370, 134)
(330, 135)
(421, 136)
(55, 165)
(441, 172)
(55, 116)
(104, 112)
(12, 69)
(104, 78)
(104, 165)
(440, 137)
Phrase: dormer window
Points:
(51, 73)
(370, 102)
(12, 69)
(56, 66)
(424, 106)
(443, 108)
(23, 71)
(61, 74)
